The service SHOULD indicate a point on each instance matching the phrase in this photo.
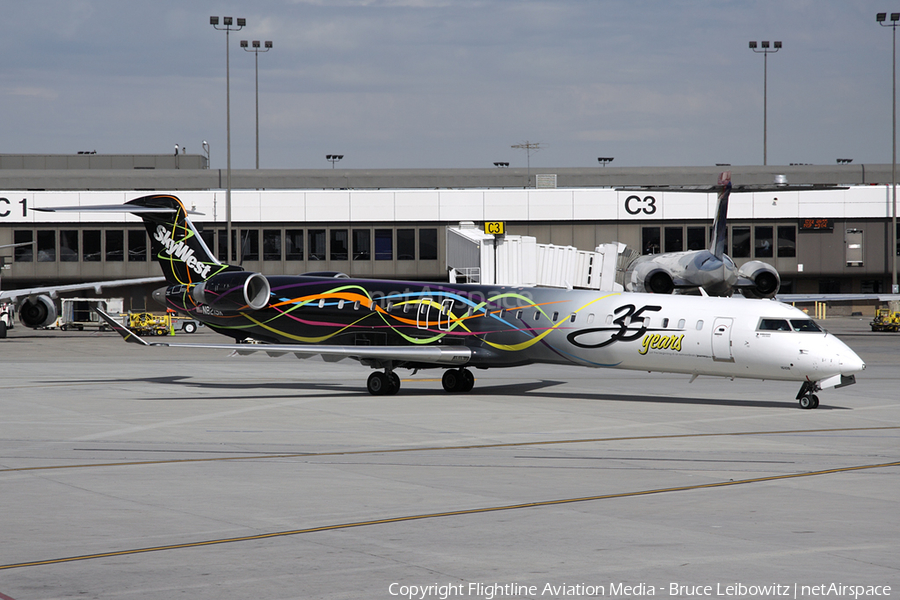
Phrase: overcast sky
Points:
(452, 83)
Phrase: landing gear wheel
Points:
(451, 380)
(377, 383)
(468, 380)
(394, 383)
(809, 401)
(458, 380)
(383, 384)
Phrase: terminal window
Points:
(23, 253)
(293, 244)
(362, 244)
(271, 244)
(339, 244)
(740, 242)
(90, 247)
(316, 239)
(763, 241)
(384, 244)
(137, 245)
(674, 239)
(68, 245)
(428, 244)
(249, 244)
(787, 241)
(115, 245)
(406, 244)
(696, 238)
(650, 240)
(46, 246)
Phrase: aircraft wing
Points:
(56, 290)
(436, 355)
(788, 298)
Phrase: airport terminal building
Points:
(827, 231)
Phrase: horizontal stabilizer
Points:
(127, 334)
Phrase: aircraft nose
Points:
(851, 362)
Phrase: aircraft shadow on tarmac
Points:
(531, 389)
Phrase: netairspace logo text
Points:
(492, 591)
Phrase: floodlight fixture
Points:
(227, 27)
(765, 51)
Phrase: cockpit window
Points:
(774, 325)
(804, 325)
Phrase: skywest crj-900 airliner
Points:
(389, 325)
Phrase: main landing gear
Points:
(807, 398)
(458, 380)
(387, 383)
(383, 384)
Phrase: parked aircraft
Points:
(36, 307)
(709, 271)
(388, 325)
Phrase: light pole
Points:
(765, 51)
(227, 27)
(880, 18)
(256, 50)
(604, 160)
(333, 158)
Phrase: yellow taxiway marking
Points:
(434, 448)
(453, 513)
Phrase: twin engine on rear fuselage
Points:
(233, 292)
(225, 294)
(686, 272)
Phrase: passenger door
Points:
(721, 339)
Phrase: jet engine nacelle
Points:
(649, 276)
(37, 311)
(765, 278)
(231, 292)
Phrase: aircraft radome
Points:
(389, 325)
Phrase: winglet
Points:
(127, 334)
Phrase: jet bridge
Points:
(477, 257)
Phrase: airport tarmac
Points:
(129, 472)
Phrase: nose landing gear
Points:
(806, 396)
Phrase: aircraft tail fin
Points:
(720, 230)
(175, 243)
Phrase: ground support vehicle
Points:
(149, 324)
(886, 320)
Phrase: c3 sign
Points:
(635, 205)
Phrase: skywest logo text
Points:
(181, 251)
